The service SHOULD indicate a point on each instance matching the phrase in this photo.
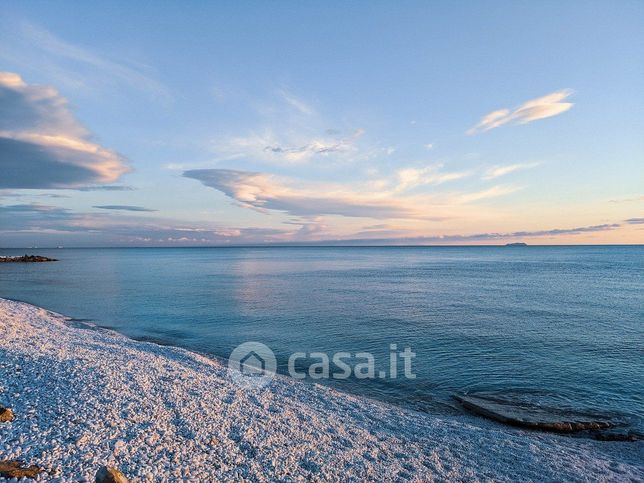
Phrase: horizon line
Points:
(330, 245)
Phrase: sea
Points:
(558, 327)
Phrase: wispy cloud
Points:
(35, 48)
(383, 200)
(493, 192)
(539, 108)
(289, 147)
(409, 178)
(42, 145)
(106, 188)
(13, 194)
(288, 132)
(122, 208)
(28, 224)
(627, 200)
(374, 238)
(33, 208)
(315, 146)
(497, 171)
(298, 104)
(265, 192)
(23, 224)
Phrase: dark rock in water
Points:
(531, 417)
(516, 244)
(17, 469)
(6, 415)
(616, 436)
(27, 258)
(107, 474)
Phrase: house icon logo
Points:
(252, 365)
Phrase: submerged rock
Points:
(6, 415)
(616, 436)
(17, 469)
(107, 474)
(531, 417)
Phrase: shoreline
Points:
(86, 397)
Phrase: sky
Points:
(234, 123)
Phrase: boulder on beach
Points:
(18, 469)
(107, 474)
(531, 417)
(6, 415)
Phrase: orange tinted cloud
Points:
(44, 146)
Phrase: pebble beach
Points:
(84, 397)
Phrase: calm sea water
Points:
(557, 326)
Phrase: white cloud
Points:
(298, 104)
(493, 192)
(409, 178)
(383, 199)
(289, 147)
(43, 145)
(289, 131)
(265, 192)
(497, 171)
(540, 108)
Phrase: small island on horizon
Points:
(516, 244)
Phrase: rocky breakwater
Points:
(27, 259)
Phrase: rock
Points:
(616, 436)
(27, 258)
(6, 415)
(17, 469)
(107, 474)
(531, 417)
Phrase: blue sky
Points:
(201, 123)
